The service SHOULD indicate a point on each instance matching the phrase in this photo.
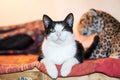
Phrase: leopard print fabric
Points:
(108, 29)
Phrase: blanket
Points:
(13, 63)
(12, 35)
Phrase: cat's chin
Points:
(59, 42)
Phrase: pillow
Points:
(31, 33)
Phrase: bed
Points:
(13, 62)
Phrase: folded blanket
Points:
(108, 66)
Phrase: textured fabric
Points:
(108, 66)
(34, 29)
(15, 63)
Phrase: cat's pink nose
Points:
(58, 34)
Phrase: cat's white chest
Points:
(58, 54)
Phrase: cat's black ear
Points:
(46, 20)
(69, 19)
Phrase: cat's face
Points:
(58, 31)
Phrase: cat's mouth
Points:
(59, 39)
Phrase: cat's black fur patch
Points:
(80, 52)
(16, 42)
(40, 57)
(92, 47)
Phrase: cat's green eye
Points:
(52, 30)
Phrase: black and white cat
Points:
(59, 46)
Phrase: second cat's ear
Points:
(93, 12)
(46, 20)
(69, 19)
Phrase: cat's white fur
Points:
(59, 48)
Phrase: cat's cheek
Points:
(63, 37)
(52, 37)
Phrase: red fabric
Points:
(108, 66)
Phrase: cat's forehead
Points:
(58, 27)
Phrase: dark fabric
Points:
(16, 42)
(22, 38)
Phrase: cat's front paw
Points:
(51, 68)
(52, 72)
(65, 70)
(67, 66)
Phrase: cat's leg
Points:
(90, 50)
(67, 66)
(50, 67)
(101, 50)
(115, 47)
